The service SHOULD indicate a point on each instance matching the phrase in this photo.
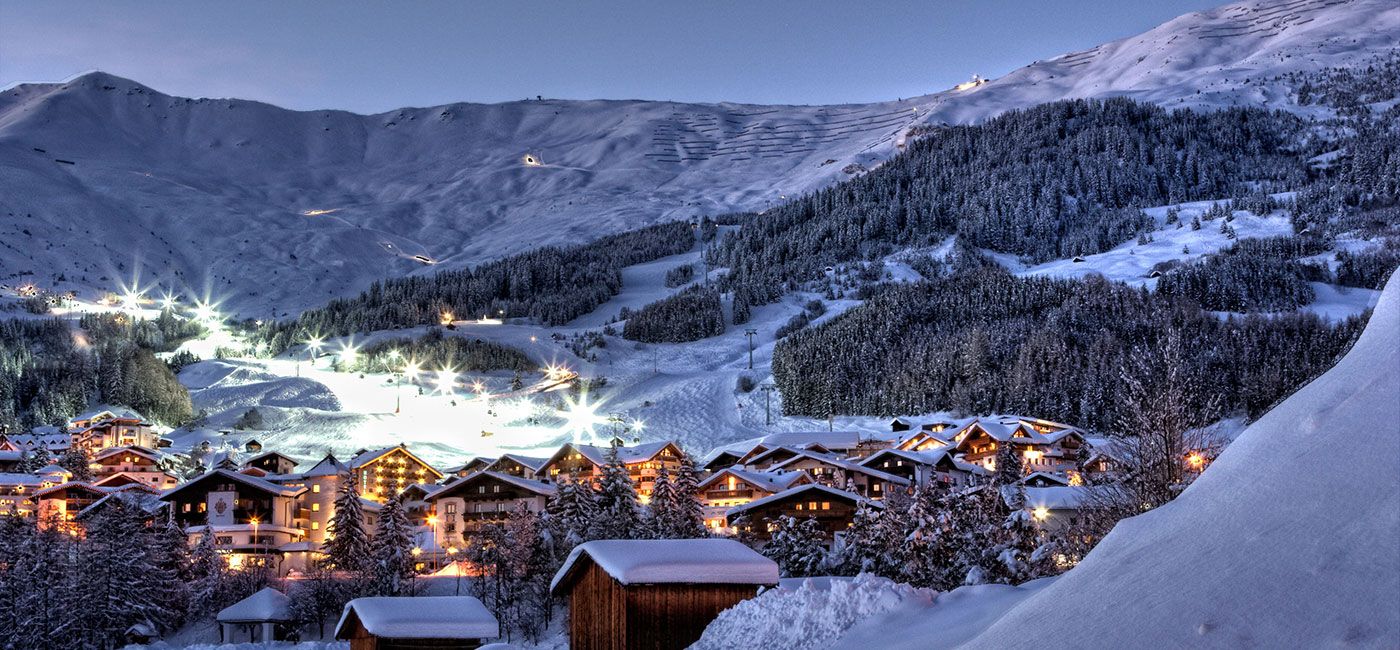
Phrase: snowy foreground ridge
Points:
(1269, 548)
(274, 211)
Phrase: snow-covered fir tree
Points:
(617, 514)
(391, 551)
(347, 545)
(797, 546)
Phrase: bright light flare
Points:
(349, 354)
(581, 416)
(446, 381)
(206, 312)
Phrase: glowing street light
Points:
(349, 354)
(205, 312)
(168, 301)
(581, 416)
(478, 387)
(131, 299)
(1040, 513)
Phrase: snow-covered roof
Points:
(136, 496)
(250, 481)
(534, 463)
(672, 561)
(1059, 497)
(842, 463)
(270, 454)
(267, 604)
(138, 450)
(829, 439)
(422, 617)
(121, 412)
(65, 486)
(598, 455)
(1017, 429)
(52, 470)
(328, 466)
(1046, 476)
(365, 457)
(531, 485)
(769, 481)
(17, 478)
(804, 490)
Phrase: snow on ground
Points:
(809, 614)
(949, 620)
(1270, 547)
(273, 211)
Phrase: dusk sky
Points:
(375, 56)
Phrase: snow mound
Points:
(1281, 543)
(809, 615)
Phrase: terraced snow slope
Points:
(106, 181)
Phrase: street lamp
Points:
(446, 381)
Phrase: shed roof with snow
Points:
(267, 605)
(670, 561)
(422, 617)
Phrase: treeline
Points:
(50, 372)
(1252, 275)
(980, 340)
(692, 314)
(436, 350)
(551, 285)
(1049, 182)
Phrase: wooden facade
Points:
(833, 509)
(607, 615)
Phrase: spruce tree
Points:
(347, 545)
(617, 516)
(690, 512)
(78, 461)
(797, 547)
(391, 550)
(663, 507)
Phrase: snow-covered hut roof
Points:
(270, 454)
(328, 466)
(769, 481)
(803, 490)
(671, 561)
(138, 450)
(268, 604)
(423, 617)
(250, 481)
(120, 412)
(1060, 497)
(531, 485)
(534, 463)
(17, 478)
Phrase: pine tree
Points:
(77, 460)
(796, 546)
(663, 507)
(571, 512)
(391, 550)
(690, 512)
(207, 575)
(617, 516)
(1009, 467)
(347, 545)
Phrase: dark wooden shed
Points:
(655, 594)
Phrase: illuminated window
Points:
(812, 505)
(315, 507)
(315, 525)
(826, 505)
(316, 489)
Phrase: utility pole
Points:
(750, 332)
(767, 396)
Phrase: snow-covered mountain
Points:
(108, 182)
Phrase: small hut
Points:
(655, 593)
(264, 616)
(399, 623)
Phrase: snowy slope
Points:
(1290, 539)
(108, 182)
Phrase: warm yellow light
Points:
(1040, 513)
(432, 520)
(1196, 460)
(446, 318)
(416, 551)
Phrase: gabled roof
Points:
(120, 412)
(18, 478)
(928, 457)
(478, 461)
(124, 478)
(250, 481)
(144, 452)
(269, 454)
(1046, 476)
(847, 465)
(598, 455)
(1017, 430)
(531, 485)
(328, 466)
(265, 605)
(1055, 498)
(768, 453)
(804, 491)
(421, 617)
(768, 481)
(366, 457)
(532, 463)
(136, 496)
(670, 561)
(71, 485)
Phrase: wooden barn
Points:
(404, 623)
(655, 594)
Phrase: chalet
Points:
(586, 462)
(517, 465)
(1055, 508)
(11, 459)
(735, 486)
(838, 472)
(1043, 445)
(263, 617)
(473, 465)
(55, 440)
(721, 459)
(16, 488)
(403, 623)
(1045, 479)
(145, 465)
(655, 593)
(272, 462)
(462, 507)
(110, 426)
(383, 473)
(253, 446)
(252, 519)
(833, 509)
(60, 504)
(920, 467)
(769, 458)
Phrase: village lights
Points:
(1196, 461)
(445, 318)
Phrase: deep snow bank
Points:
(1290, 539)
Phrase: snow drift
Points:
(1290, 539)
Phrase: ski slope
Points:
(108, 183)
